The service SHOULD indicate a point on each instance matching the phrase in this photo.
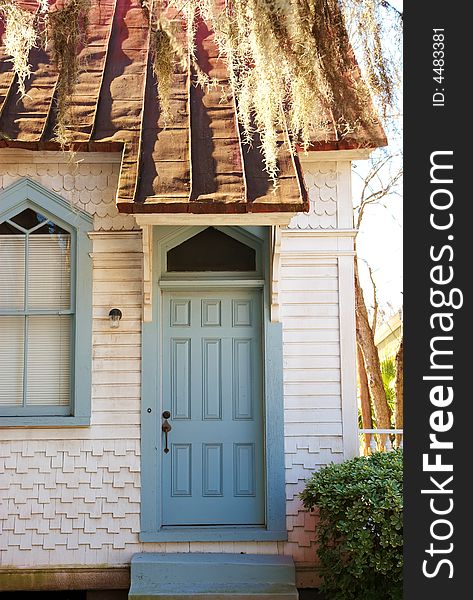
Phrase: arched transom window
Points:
(211, 250)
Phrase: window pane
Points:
(50, 228)
(12, 271)
(49, 360)
(11, 360)
(28, 219)
(7, 228)
(211, 250)
(49, 271)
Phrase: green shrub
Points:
(360, 506)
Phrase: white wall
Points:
(71, 496)
(317, 311)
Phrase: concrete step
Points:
(214, 576)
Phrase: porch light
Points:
(115, 315)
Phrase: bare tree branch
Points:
(365, 339)
(390, 7)
(374, 321)
(378, 183)
(371, 193)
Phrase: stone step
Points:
(199, 576)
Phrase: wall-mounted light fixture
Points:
(115, 315)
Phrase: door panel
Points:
(212, 385)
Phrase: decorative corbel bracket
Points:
(147, 240)
(275, 272)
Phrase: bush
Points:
(360, 505)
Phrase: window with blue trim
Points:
(40, 328)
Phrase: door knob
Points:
(166, 428)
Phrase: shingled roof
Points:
(195, 164)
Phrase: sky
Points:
(379, 241)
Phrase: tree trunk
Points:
(365, 402)
(399, 391)
(365, 339)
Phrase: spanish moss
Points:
(294, 65)
(67, 29)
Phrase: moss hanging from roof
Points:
(163, 66)
(20, 36)
(68, 30)
(291, 62)
(65, 27)
(170, 42)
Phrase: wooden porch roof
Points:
(195, 164)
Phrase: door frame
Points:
(152, 529)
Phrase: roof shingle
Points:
(197, 163)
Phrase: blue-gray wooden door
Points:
(212, 386)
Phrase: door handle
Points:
(166, 428)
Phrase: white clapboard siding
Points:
(107, 338)
(117, 377)
(113, 405)
(326, 402)
(317, 311)
(312, 415)
(117, 418)
(129, 351)
(308, 362)
(117, 363)
(312, 374)
(301, 311)
(313, 349)
(311, 334)
(293, 270)
(295, 323)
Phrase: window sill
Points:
(45, 421)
